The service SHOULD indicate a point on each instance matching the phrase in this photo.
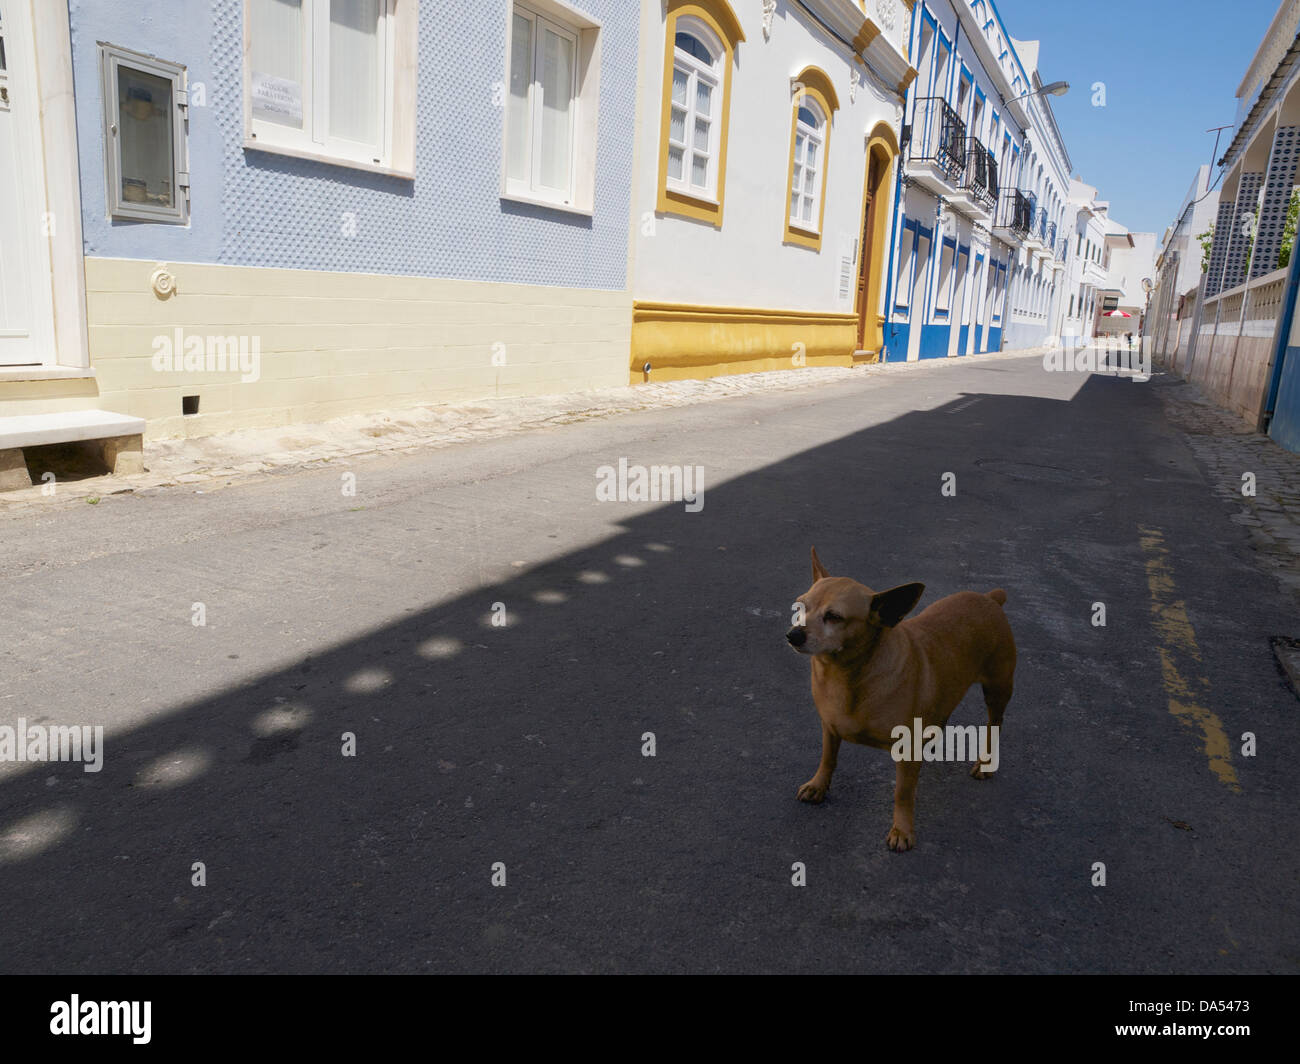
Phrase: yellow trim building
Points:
(754, 291)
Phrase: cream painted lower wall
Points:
(48, 396)
(1233, 371)
(334, 344)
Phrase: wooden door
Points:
(866, 256)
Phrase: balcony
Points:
(1060, 249)
(1036, 239)
(977, 196)
(936, 157)
(1015, 213)
(1094, 273)
(1038, 227)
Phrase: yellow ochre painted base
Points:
(687, 342)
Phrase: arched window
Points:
(701, 38)
(695, 125)
(806, 174)
(813, 107)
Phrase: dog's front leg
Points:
(815, 789)
(903, 834)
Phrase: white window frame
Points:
(906, 263)
(533, 189)
(925, 60)
(111, 59)
(798, 165)
(943, 290)
(584, 113)
(393, 152)
(942, 68)
(713, 75)
(922, 277)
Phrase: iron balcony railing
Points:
(939, 137)
(1051, 235)
(981, 181)
(1015, 212)
(1040, 225)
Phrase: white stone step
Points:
(122, 437)
(67, 426)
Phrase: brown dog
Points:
(873, 672)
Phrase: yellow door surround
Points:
(882, 143)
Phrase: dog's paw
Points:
(900, 841)
(979, 773)
(813, 791)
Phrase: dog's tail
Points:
(998, 595)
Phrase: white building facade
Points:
(1130, 261)
(1178, 271)
(766, 140)
(979, 250)
(1085, 270)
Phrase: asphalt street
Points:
(520, 746)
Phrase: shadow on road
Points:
(522, 744)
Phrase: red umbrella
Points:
(1117, 314)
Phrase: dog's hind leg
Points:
(996, 697)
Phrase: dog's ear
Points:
(888, 608)
(819, 570)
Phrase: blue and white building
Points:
(387, 202)
(981, 205)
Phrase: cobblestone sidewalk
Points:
(1229, 449)
(212, 462)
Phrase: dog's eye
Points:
(831, 617)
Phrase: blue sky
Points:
(1171, 70)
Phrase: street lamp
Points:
(1056, 88)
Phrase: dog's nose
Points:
(797, 637)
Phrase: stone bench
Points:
(119, 435)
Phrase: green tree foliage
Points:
(1207, 242)
(1289, 229)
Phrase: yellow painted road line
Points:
(1180, 658)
